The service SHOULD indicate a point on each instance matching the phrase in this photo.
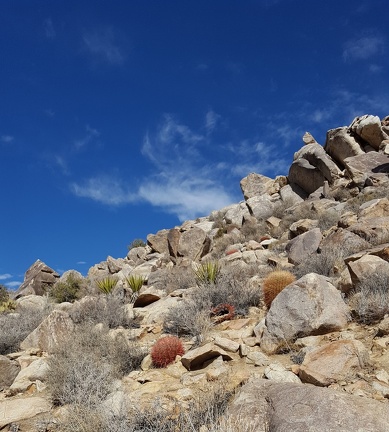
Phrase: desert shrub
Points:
(254, 231)
(364, 196)
(7, 306)
(370, 299)
(165, 351)
(84, 366)
(136, 243)
(207, 272)
(191, 317)
(67, 290)
(107, 284)
(4, 294)
(221, 243)
(274, 283)
(327, 219)
(15, 327)
(108, 310)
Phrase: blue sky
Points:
(121, 118)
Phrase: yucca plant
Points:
(107, 284)
(135, 283)
(207, 272)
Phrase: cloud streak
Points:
(363, 48)
(102, 45)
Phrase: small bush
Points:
(107, 284)
(274, 283)
(207, 272)
(136, 243)
(67, 290)
(4, 294)
(107, 310)
(166, 350)
(370, 300)
(15, 327)
(7, 306)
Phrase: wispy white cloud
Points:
(90, 135)
(13, 284)
(103, 46)
(374, 68)
(211, 120)
(49, 28)
(81, 262)
(363, 48)
(6, 139)
(104, 189)
(5, 276)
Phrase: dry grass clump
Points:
(16, 326)
(370, 299)
(364, 196)
(84, 366)
(274, 283)
(105, 309)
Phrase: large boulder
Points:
(37, 280)
(37, 370)
(57, 326)
(341, 143)
(300, 247)
(236, 214)
(261, 207)
(368, 127)
(267, 405)
(361, 167)
(336, 361)
(158, 242)
(309, 306)
(366, 266)
(374, 230)
(255, 185)
(193, 244)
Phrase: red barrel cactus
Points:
(165, 351)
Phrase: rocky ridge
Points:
(316, 360)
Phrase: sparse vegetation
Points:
(135, 283)
(136, 243)
(67, 290)
(207, 272)
(370, 299)
(4, 294)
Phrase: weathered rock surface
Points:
(341, 144)
(333, 362)
(366, 266)
(255, 185)
(38, 278)
(195, 358)
(193, 244)
(284, 407)
(369, 128)
(57, 326)
(9, 369)
(15, 410)
(303, 245)
(309, 306)
(37, 370)
(360, 167)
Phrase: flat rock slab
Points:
(194, 359)
(360, 167)
(333, 362)
(14, 410)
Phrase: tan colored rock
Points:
(36, 280)
(261, 207)
(277, 372)
(302, 226)
(302, 246)
(255, 185)
(53, 329)
(309, 306)
(309, 139)
(173, 240)
(195, 358)
(193, 244)
(333, 362)
(360, 167)
(226, 344)
(37, 370)
(341, 143)
(369, 128)
(158, 242)
(257, 357)
(285, 407)
(16, 410)
(374, 208)
(367, 265)
(374, 230)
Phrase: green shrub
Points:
(136, 243)
(7, 306)
(107, 284)
(67, 290)
(4, 294)
(207, 272)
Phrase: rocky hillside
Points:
(267, 315)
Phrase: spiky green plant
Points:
(207, 272)
(135, 283)
(107, 284)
